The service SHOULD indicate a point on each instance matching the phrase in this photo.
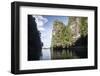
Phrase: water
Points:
(46, 54)
(75, 53)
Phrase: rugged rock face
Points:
(74, 23)
(65, 36)
(57, 35)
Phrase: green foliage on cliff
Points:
(58, 29)
(83, 26)
(65, 35)
(61, 35)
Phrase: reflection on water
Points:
(75, 53)
(46, 54)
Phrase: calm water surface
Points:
(76, 53)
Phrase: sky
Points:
(45, 26)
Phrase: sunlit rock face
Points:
(58, 27)
(74, 23)
(67, 35)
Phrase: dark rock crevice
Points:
(34, 40)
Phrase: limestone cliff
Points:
(65, 36)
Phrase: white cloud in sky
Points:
(40, 20)
(46, 34)
(41, 28)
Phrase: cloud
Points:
(41, 21)
(41, 28)
(45, 33)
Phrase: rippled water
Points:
(76, 53)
